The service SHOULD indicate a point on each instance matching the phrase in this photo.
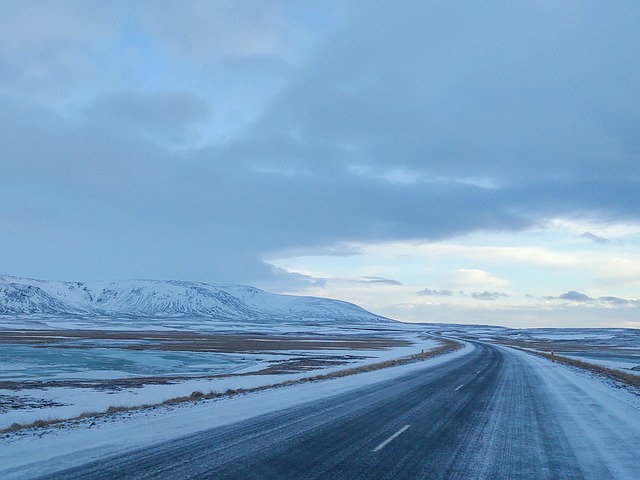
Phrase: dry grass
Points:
(446, 346)
(14, 427)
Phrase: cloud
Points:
(436, 293)
(380, 280)
(336, 250)
(456, 52)
(206, 33)
(470, 278)
(594, 238)
(283, 280)
(603, 301)
(51, 50)
(484, 295)
(488, 295)
(165, 116)
(575, 296)
(617, 301)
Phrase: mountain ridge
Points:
(166, 299)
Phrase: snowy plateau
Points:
(28, 298)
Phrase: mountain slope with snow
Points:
(161, 299)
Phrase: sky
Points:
(442, 161)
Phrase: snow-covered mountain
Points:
(160, 299)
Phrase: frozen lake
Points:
(24, 362)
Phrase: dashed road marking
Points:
(391, 438)
(458, 388)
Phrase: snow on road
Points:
(602, 423)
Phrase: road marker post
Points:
(553, 360)
(423, 354)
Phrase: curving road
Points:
(489, 414)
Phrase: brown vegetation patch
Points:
(193, 341)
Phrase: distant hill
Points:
(161, 299)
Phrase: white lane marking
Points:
(391, 438)
(478, 372)
(458, 388)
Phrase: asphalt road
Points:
(485, 415)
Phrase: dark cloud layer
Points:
(422, 121)
(166, 116)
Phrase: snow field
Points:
(35, 452)
(60, 402)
